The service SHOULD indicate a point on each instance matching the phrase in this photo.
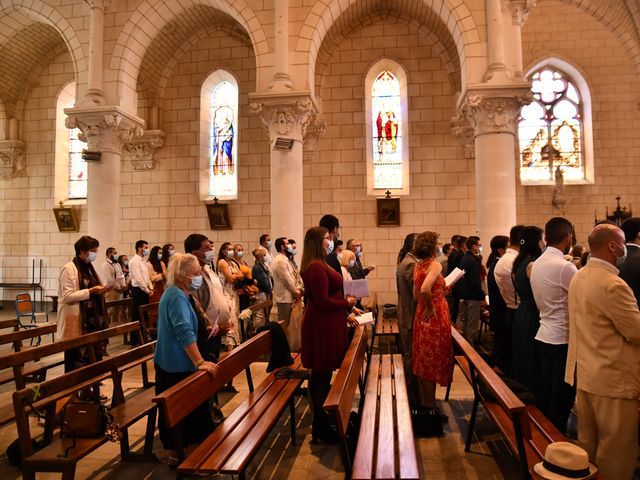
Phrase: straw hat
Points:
(564, 460)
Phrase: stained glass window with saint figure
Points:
(555, 114)
(78, 170)
(387, 131)
(223, 150)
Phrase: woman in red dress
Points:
(324, 325)
(432, 349)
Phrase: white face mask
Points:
(290, 248)
(159, 256)
(94, 255)
(145, 252)
(171, 252)
(229, 253)
(209, 255)
(330, 247)
(294, 252)
(339, 256)
(620, 260)
(480, 250)
(240, 254)
(269, 244)
(352, 263)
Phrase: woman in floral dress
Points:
(432, 349)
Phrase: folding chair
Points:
(25, 308)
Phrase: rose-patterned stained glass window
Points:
(223, 141)
(554, 114)
(78, 169)
(387, 132)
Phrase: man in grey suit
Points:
(630, 269)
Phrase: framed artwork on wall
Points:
(66, 219)
(388, 211)
(218, 215)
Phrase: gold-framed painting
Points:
(218, 216)
(388, 211)
(66, 219)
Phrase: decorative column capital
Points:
(140, 150)
(11, 158)
(519, 9)
(100, 4)
(315, 131)
(491, 109)
(284, 115)
(105, 129)
(463, 130)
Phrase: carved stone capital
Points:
(105, 129)
(463, 130)
(101, 4)
(519, 9)
(11, 158)
(315, 131)
(139, 151)
(492, 109)
(284, 115)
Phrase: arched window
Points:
(219, 115)
(71, 171)
(387, 142)
(552, 129)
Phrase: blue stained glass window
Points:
(223, 145)
(78, 170)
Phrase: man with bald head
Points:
(603, 360)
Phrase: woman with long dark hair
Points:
(167, 252)
(229, 274)
(158, 275)
(324, 326)
(526, 320)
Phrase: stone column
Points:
(492, 112)
(286, 118)
(497, 71)
(12, 152)
(519, 10)
(105, 129)
(281, 79)
(94, 94)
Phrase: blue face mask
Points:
(171, 252)
(196, 282)
(92, 256)
(145, 252)
(229, 253)
(159, 256)
(114, 258)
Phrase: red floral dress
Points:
(432, 349)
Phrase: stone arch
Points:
(147, 22)
(448, 20)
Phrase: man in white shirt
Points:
(551, 275)
(265, 245)
(502, 274)
(210, 294)
(112, 275)
(141, 286)
(287, 285)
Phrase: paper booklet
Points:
(365, 318)
(357, 288)
(453, 277)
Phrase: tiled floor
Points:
(439, 458)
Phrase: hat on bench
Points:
(564, 460)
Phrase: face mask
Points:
(290, 248)
(145, 252)
(339, 256)
(294, 251)
(171, 252)
(620, 260)
(330, 247)
(126, 264)
(351, 263)
(196, 282)
(229, 253)
(159, 256)
(240, 254)
(479, 250)
(114, 258)
(440, 253)
(94, 255)
(358, 250)
(269, 244)
(209, 255)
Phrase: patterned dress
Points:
(234, 303)
(432, 349)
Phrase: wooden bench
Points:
(57, 455)
(231, 446)
(32, 333)
(340, 398)
(151, 331)
(30, 363)
(526, 430)
(10, 323)
(386, 447)
(386, 327)
(126, 303)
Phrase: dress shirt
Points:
(551, 275)
(140, 274)
(286, 279)
(502, 273)
(111, 270)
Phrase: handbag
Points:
(294, 330)
(84, 420)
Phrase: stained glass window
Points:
(387, 132)
(78, 169)
(555, 114)
(223, 141)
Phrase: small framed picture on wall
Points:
(218, 216)
(66, 219)
(388, 211)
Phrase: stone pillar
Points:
(94, 94)
(12, 152)
(281, 79)
(492, 112)
(286, 118)
(519, 10)
(497, 71)
(105, 129)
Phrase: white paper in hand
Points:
(365, 318)
(453, 277)
(357, 288)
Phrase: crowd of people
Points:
(565, 320)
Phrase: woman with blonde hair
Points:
(177, 355)
(324, 325)
(347, 260)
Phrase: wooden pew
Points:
(126, 303)
(386, 447)
(11, 323)
(386, 327)
(151, 331)
(340, 398)
(32, 333)
(526, 430)
(44, 396)
(27, 363)
(231, 446)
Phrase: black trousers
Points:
(139, 298)
(319, 386)
(556, 397)
(502, 340)
(195, 427)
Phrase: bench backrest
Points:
(501, 392)
(340, 398)
(184, 397)
(11, 323)
(45, 394)
(19, 335)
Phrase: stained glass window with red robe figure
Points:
(223, 153)
(554, 114)
(77, 167)
(387, 131)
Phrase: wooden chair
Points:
(151, 331)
